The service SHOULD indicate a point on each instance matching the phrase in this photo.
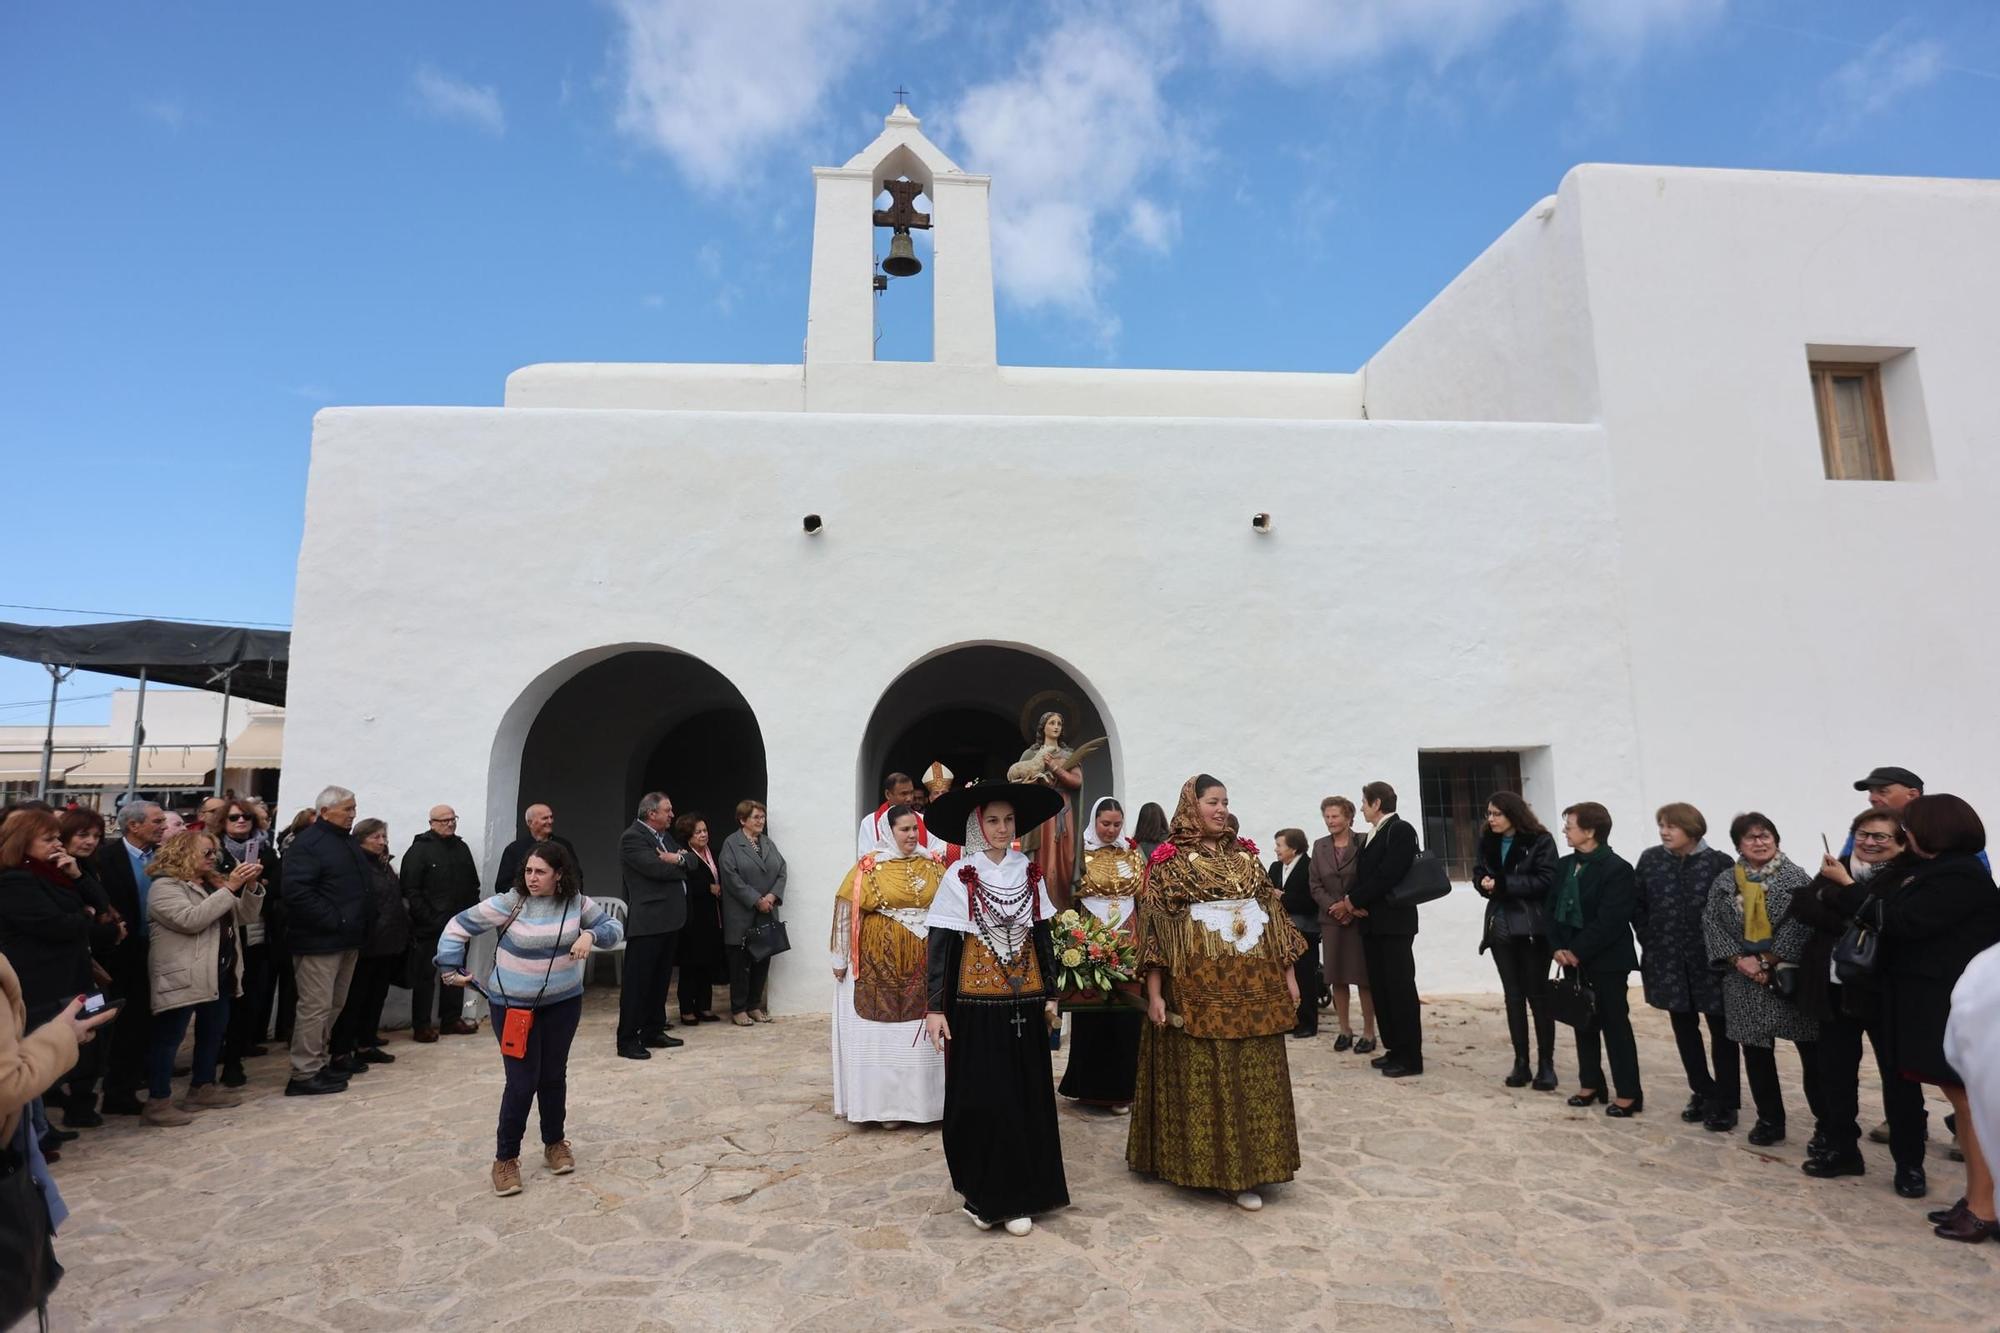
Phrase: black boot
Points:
(1545, 1074)
(1518, 1076)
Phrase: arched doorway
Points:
(971, 707)
(627, 721)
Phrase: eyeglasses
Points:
(1874, 837)
(452, 820)
(1761, 835)
(209, 855)
(239, 815)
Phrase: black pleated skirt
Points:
(1000, 1135)
(1103, 1055)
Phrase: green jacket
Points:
(1608, 895)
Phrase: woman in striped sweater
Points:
(546, 931)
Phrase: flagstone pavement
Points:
(715, 1190)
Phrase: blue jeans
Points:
(211, 1021)
(541, 1076)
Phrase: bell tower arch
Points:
(840, 314)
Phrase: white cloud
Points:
(1069, 139)
(713, 85)
(1154, 227)
(1877, 78)
(1623, 30)
(1300, 36)
(448, 98)
(171, 112)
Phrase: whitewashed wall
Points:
(1374, 621)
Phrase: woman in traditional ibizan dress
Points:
(991, 1000)
(1214, 1104)
(1104, 1042)
(881, 1071)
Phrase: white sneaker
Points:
(1020, 1226)
(977, 1221)
(1122, 1110)
(892, 1124)
(1249, 1201)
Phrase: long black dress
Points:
(1000, 1134)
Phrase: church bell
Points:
(902, 261)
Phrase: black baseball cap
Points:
(1882, 777)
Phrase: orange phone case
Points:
(514, 1033)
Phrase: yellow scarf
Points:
(1756, 916)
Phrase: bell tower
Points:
(840, 315)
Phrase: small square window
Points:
(1853, 427)
(1453, 786)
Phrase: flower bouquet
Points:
(1095, 965)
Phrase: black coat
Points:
(389, 927)
(701, 938)
(440, 879)
(328, 899)
(509, 875)
(273, 915)
(1818, 906)
(1518, 906)
(1603, 943)
(1940, 918)
(1385, 859)
(1295, 893)
(1673, 898)
(45, 933)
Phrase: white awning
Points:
(159, 766)
(261, 744)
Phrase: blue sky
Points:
(220, 218)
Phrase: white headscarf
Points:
(1091, 842)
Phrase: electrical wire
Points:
(140, 615)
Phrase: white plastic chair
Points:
(616, 909)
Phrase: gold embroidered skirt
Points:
(1213, 1113)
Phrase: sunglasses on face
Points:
(239, 817)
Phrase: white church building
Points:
(1684, 490)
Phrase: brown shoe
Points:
(162, 1111)
(743, 1020)
(759, 1016)
(558, 1158)
(425, 1034)
(207, 1097)
(507, 1177)
(458, 1027)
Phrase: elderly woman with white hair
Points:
(328, 908)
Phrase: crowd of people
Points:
(965, 908)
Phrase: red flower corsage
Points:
(1034, 875)
(968, 875)
(1247, 845)
(1165, 852)
(1132, 844)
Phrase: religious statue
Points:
(1052, 845)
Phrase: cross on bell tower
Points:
(840, 319)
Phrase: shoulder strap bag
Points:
(28, 1267)
(1857, 954)
(1427, 881)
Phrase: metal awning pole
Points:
(56, 675)
(138, 736)
(222, 745)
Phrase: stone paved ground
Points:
(716, 1191)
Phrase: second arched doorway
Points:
(972, 708)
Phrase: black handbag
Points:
(1568, 1000)
(1857, 954)
(28, 1268)
(1427, 881)
(766, 941)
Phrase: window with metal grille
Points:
(1452, 787)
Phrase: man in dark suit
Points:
(121, 868)
(1388, 931)
(654, 870)
(440, 880)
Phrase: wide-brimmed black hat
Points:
(1033, 803)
